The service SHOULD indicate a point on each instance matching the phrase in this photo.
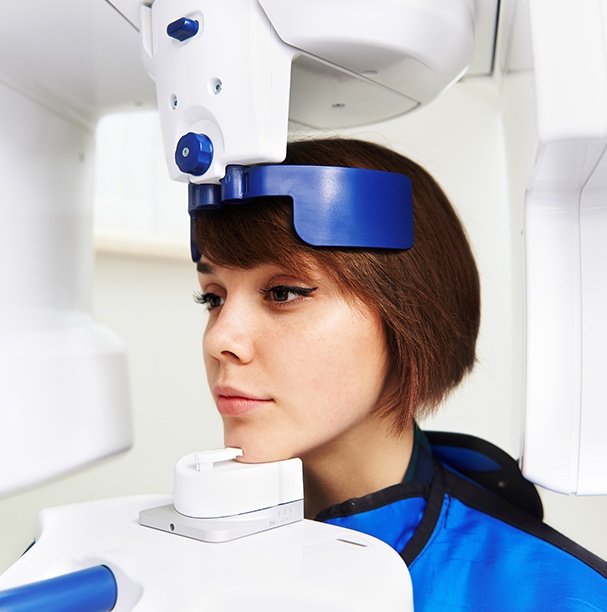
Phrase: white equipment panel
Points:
(556, 81)
(299, 567)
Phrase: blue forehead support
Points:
(332, 206)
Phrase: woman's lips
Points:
(231, 402)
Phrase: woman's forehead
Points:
(303, 269)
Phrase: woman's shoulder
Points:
(492, 549)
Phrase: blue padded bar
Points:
(89, 590)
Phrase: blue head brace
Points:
(332, 206)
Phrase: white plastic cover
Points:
(565, 229)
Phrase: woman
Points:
(332, 354)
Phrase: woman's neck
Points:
(365, 459)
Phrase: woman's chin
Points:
(254, 452)
(251, 455)
(260, 443)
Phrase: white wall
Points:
(147, 300)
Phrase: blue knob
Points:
(182, 29)
(194, 153)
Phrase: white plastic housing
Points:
(229, 82)
(354, 62)
(299, 567)
(64, 393)
(415, 48)
(565, 140)
(227, 487)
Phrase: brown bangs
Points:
(251, 234)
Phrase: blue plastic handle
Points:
(89, 590)
(183, 29)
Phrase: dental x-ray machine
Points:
(229, 76)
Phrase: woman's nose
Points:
(229, 335)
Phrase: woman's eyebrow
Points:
(205, 268)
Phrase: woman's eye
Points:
(286, 293)
(210, 300)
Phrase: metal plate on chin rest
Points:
(224, 529)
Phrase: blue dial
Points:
(194, 154)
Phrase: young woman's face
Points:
(293, 365)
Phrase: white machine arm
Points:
(563, 150)
(232, 73)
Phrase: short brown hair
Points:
(428, 297)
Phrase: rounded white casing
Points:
(211, 484)
(64, 390)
